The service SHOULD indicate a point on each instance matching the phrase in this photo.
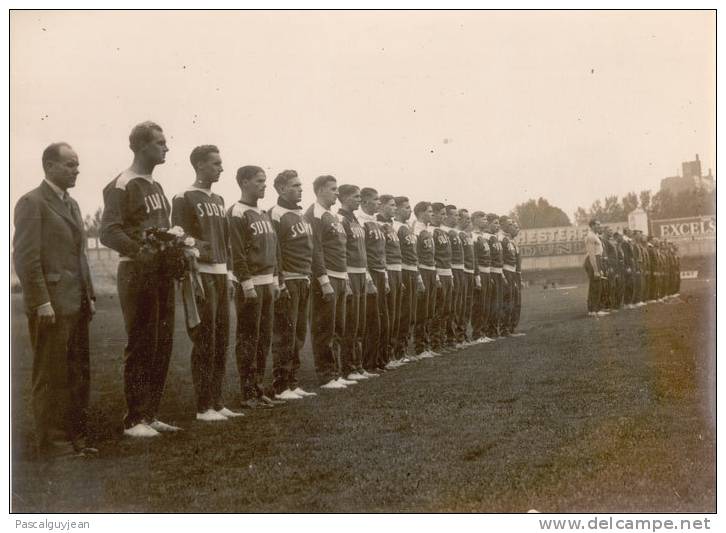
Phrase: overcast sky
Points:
(481, 109)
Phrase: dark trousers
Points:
(517, 307)
(351, 353)
(61, 378)
(456, 325)
(496, 303)
(508, 295)
(594, 296)
(468, 304)
(395, 281)
(408, 310)
(480, 307)
(288, 334)
(210, 338)
(644, 286)
(327, 328)
(375, 342)
(254, 336)
(443, 312)
(628, 288)
(496, 295)
(147, 304)
(425, 311)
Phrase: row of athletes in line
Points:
(628, 270)
(376, 287)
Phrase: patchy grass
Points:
(586, 415)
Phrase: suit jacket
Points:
(49, 252)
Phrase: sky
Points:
(481, 109)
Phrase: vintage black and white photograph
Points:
(363, 261)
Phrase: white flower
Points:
(189, 241)
(176, 230)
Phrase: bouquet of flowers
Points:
(174, 255)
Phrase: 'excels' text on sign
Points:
(686, 228)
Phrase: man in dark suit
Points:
(50, 261)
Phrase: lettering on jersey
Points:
(410, 239)
(428, 243)
(442, 239)
(357, 232)
(209, 209)
(375, 232)
(391, 234)
(153, 202)
(466, 241)
(301, 228)
(260, 227)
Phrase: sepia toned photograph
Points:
(362, 261)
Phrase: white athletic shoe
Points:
(229, 413)
(333, 384)
(370, 374)
(355, 376)
(300, 392)
(210, 415)
(425, 355)
(435, 353)
(163, 427)
(603, 313)
(346, 382)
(518, 334)
(287, 394)
(391, 365)
(141, 430)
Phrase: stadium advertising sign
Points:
(691, 228)
(565, 240)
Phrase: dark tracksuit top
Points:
(496, 253)
(132, 203)
(254, 245)
(202, 215)
(393, 245)
(509, 254)
(424, 246)
(375, 242)
(408, 242)
(329, 244)
(295, 241)
(442, 251)
(457, 248)
(482, 253)
(357, 260)
(467, 246)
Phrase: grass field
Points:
(587, 415)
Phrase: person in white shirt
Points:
(593, 267)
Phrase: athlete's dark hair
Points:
(201, 153)
(346, 191)
(421, 207)
(400, 200)
(437, 206)
(593, 222)
(321, 181)
(52, 152)
(478, 214)
(283, 178)
(142, 134)
(366, 193)
(247, 172)
(385, 198)
(450, 208)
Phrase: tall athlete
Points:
(295, 240)
(134, 202)
(330, 283)
(496, 277)
(351, 354)
(426, 299)
(467, 243)
(395, 281)
(482, 288)
(458, 288)
(254, 265)
(517, 310)
(509, 271)
(375, 345)
(444, 293)
(201, 214)
(411, 279)
(593, 267)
